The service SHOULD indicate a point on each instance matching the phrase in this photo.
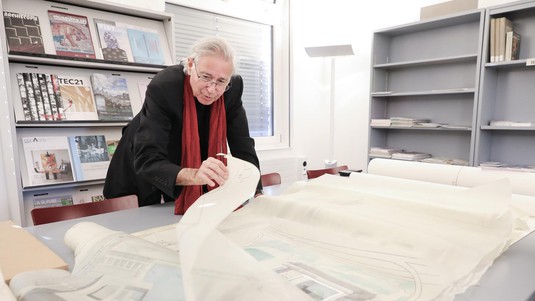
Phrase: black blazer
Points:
(148, 156)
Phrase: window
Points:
(254, 46)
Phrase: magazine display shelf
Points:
(15, 126)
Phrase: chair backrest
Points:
(270, 179)
(314, 173)
(54, 214)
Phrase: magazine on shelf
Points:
(23, 33)
(52, 201)
(39, 91)
(114, 42)
(142, 88)
(53, 96)
(71, 35)
(24, 97)
(43, 115)
(48, 160)
(77, 98)
(88, 195)
(112, 146)
(111, 97)
(31, 96)
(47, 104)
(145, 45)
(90, 157)
(57, 95)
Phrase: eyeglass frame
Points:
(208, 80)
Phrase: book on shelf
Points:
(48, 160)
(113, 39)
(23, 33)
(492, 40)
(512, 46)
(112, 98)
(145, 45)
(52, 201)
(89, 156)
(504, 25)
(71, 35)
(77, 98)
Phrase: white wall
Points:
(316, 23)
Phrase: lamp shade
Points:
(331, 50)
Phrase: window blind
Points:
(252, 43)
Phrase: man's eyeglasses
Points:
(205, 78)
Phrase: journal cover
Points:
(71, 35)
(145, 44)
(23, 33)
(48, 160)
(77, 98)
(90, 157)
(111, 97)
(114, 41)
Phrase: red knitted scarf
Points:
(191, 149)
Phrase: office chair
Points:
(270, 179)
(314, 173)
(55, 214)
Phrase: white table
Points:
(510, 278)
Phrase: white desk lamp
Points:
(331, 52)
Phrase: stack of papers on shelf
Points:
(492, 164)
(452, 126)
(443, 160)
(427, 125)
(407, 121)
(383, 152)
(410, 156)
(505, 166)
(511, 123)
(380, 122)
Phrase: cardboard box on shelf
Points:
(446, 8)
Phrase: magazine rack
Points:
(59, 60)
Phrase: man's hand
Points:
(211, 172)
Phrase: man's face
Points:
(209, 76)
